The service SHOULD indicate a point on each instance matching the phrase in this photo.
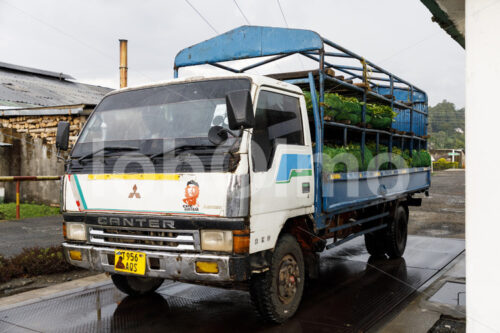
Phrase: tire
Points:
(397, 234)
(274, 301)
(135, 285)
(375, 244)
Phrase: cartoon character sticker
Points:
(191, 193)
(120, 264)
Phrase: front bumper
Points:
(174, 266)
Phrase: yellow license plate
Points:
(130, 262)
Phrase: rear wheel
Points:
(135, 285)
(375, 243)
(276, 294)
(397, 234)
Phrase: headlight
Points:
(76, 231)
(216, 240)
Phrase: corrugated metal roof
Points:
(78, 109)
(22, 88)
(18, 68)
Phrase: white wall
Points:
(482, 122)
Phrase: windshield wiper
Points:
(110, 148)
(181, 147)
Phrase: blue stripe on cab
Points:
(291, 162)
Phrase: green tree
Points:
(446, 126)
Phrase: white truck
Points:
(218, 180)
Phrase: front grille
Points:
(194, 162)
(147, 239)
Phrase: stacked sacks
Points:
(382, 115)
(348, 109)
(347, 163)
(328, 163)
(421, 158)
(352, 162)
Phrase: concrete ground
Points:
(422, 313)
(35, 231)
(441, 215)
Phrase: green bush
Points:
(32, 262)
(443, 164)
(8, 270)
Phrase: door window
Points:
(277, 121)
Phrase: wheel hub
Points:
(288, 278)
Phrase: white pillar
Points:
(482, 118)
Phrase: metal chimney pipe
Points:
(123, 63)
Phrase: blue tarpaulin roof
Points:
(248, 42)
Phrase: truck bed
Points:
(353, 190)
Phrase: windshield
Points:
(151, 119)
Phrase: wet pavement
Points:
(443, 213)
(354, 293)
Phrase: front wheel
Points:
(276, 293)
(135, 285)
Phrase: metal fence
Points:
(18, 180)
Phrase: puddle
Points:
(452, 293)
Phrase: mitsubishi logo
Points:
(134, 193)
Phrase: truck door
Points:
(281, 164)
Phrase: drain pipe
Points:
(123, 63)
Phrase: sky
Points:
(80, 38)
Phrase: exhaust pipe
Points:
(123, 63)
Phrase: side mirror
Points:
(217, 135)
(62, 137)
(239, 110)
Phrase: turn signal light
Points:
(207, 267)
(241, 241)
(75, 255)
(64, 230)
